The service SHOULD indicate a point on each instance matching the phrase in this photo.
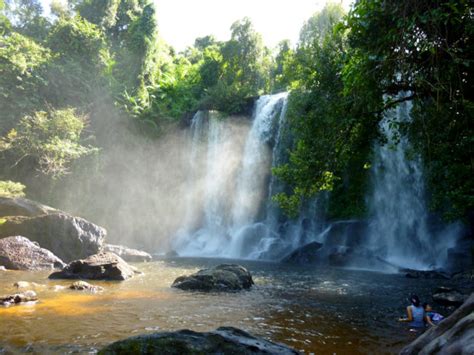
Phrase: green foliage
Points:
(345, 74)
(5, 24)
(22, 72)
(26, 18)
(333, 138)
(424, 48)
(50, 139)
(11, 189)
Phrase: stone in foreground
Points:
(66, 236)
(102, 266)
(20, 253)
(224, 340)
(224, 277)
(28, 296)
(453, 335)
(128, 254)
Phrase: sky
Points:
(180, 22)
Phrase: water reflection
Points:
(313, 310)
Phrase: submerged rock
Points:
(102, 266)
(453, 335)
(26, 284)
(66, 236)
(19, 206)
(446, 296)
(20, 253)
(85, 286)
(28, 296)
(128, 254)
(224, 340)
(224, 277)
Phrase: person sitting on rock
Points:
(416, 314)
(431, 315)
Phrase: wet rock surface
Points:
(20, 253)
(425, 274)
(28, 296)
(307, 254)
(102, 266)
(19, 206)
(453, 335)
(128, 254)
(66, 236)
(315, 253)
(85, 286)
(224, 340)
(224, 277)
(447, 296)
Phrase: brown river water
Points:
(314, 310)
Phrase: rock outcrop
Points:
(20, 253)
(307, 254)
(28, 296)
(102, 266)
(315, 253)
(425, 274)
(224, 340)
(453, 335)
(446, 296)
(68, 237)
(224, 277)
(128, 254)
(19, 206)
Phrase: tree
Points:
(49, 141)
(26, 17)
(423, 48)
(23, 66)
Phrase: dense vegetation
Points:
(348, 71)
(60, 74)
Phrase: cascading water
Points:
(238, 218)
(399, 230)
(231, 213)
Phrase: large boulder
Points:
(19, 206)
(448, 296)
(351, 233)
(315, 253)
(453, 335)
(66, 236)
(307, 254)
(128, 254)
(224, 340)
(20, 253)
(102, 266)
(224, 277)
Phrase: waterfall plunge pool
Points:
(319, 310)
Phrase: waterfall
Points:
(238, 217)
(400, 229)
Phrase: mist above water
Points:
(401, 230)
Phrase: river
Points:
(314, 310)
